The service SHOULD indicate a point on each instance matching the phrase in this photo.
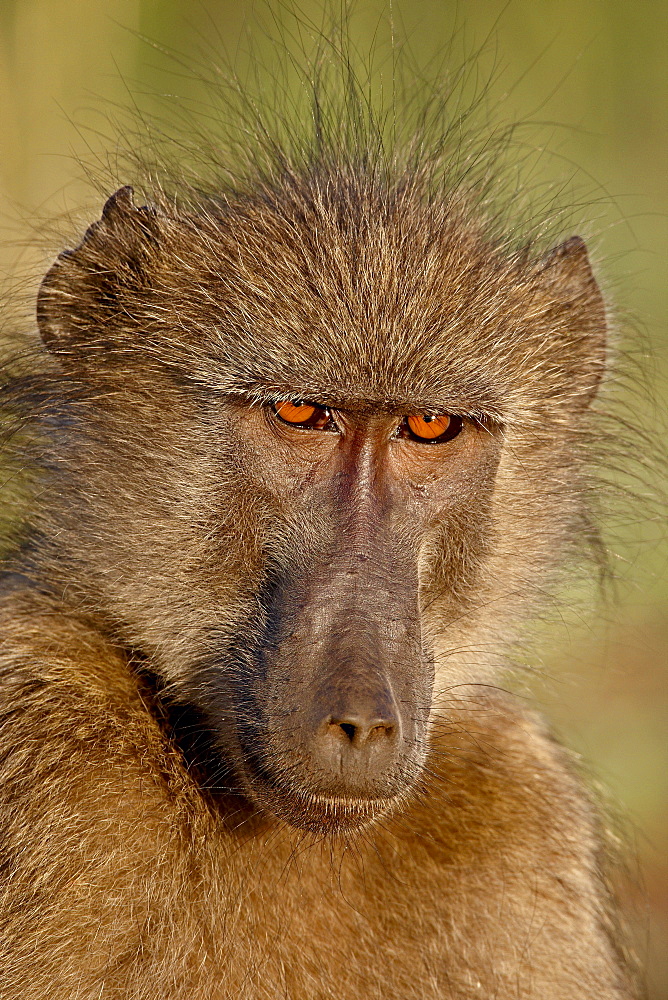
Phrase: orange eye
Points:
(302, 414)
(433, 428)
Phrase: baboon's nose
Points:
(359, 728)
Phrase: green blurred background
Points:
(591, 77)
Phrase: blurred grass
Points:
(594, 74)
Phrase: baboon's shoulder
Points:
(510, 853)
(73, 720)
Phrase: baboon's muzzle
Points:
(334, 731)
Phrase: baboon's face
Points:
(304, 438)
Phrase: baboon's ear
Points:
(84, 290)
(578, 309)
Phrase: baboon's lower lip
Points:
(314, 811)
(320, 813)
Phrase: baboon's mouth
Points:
(321, 813)
(313, 811)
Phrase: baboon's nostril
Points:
(360, 730)
(349, 730)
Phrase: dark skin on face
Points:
(339, 693)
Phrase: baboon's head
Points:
(315, 447)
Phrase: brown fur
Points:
(128, 881)
(138, 859)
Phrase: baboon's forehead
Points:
(340, 293)
(352, 306)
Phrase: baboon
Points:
(306, 450)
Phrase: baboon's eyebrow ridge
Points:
(483, 408)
